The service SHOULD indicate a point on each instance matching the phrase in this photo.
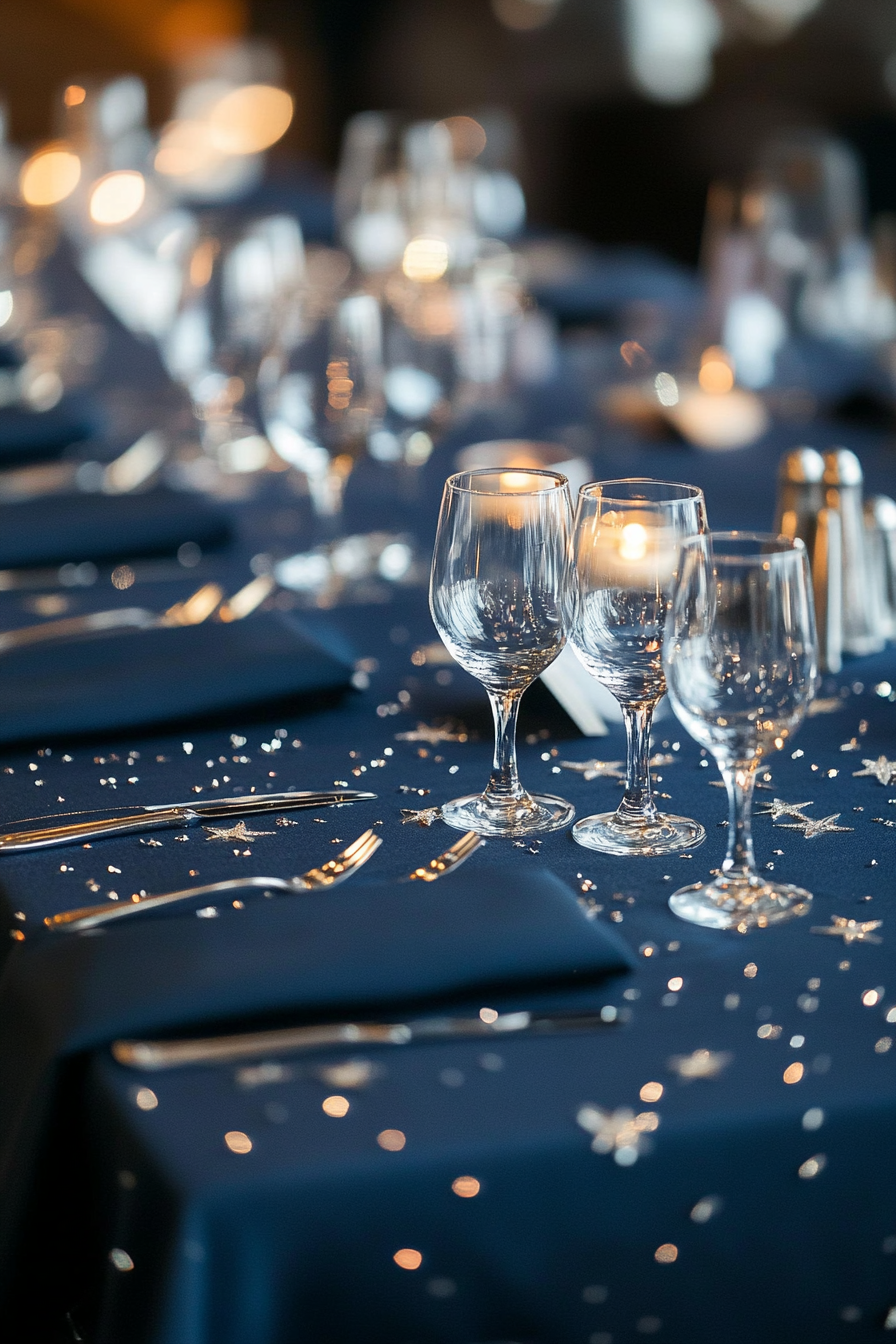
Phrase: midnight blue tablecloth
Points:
(761, 1201)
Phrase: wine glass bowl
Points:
(742, 666)
(501, 599)
(627, 542)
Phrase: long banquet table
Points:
(758, 1202)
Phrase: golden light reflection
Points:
(184, 148)
(49, 176)
(74, 95)
(408, 1258)
(425, 259)
(202, 262)
(392, 1140)
(121, 1260)
(666, 1254)
(675, 983)
(466, 1187)
(488, 1015)
(117, 197)
(336, 1106)
(651, 1092)
(250, 119)
(716, 373)
(237, 1141)
(793, 1073)
(468, 138)
(812, 1166)
(633, 542)
(634, 354)
(871, 997)
(146, 1099)
(750, 970)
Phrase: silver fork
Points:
(438, 867)
(329, 874)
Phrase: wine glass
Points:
(501, 598)
(628, 537)
(321, 391)
(741, 663)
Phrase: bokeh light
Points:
(425, 259)
(250, 119)
(49, 176)
(117, 197)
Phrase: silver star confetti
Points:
(700, 1064)
(812, 829)
(778, 808)
(882, 770)
(425, 817)
(238, 832)
(423, 733)
(851, 930)
(619, 1132)
(596, 769)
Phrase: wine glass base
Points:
(739, 904)
(666, 835)
(539, 814)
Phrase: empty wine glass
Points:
(501, 598)
(741, 663)
(628, 537)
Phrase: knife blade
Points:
(254, 1044)
(155, 816)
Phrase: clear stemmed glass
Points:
(627, 543)
(501, 598)
(741, 663)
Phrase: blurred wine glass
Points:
(321, 385)
(235, 287)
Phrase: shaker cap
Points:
(842, 467)
(803, 466)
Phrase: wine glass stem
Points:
(504, 783)
(739, 777)
(637, 804)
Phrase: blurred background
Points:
(626, 110)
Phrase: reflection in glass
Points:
(741, 663)
(500, 597)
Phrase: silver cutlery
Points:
(329, 874)
(193, 611)
(454, 855)
(156, 1055)
(155, 817)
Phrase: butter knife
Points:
(255, 1044)
(156, 816)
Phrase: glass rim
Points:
(556, 478)
(777, 543)
(590, 490)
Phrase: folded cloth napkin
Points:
(389, 948)
(64, 528)
(125, 680)
(37, 436)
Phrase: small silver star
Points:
(778, 808)
(700, 1064)
(237, 832)
(621, 1130)
(596, 769)
(882, 770)
(423, 733)
(811, 829)
(851, 930)
(425, 817)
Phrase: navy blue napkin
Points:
(365, 948)
(38, 436)
(144, 678)
(72, 528)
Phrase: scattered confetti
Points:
(881, 769)
(850, 930)
(426, 816)
(237, 832)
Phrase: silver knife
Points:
(157, 816)
(251, 1045)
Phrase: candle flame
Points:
(633, 542)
